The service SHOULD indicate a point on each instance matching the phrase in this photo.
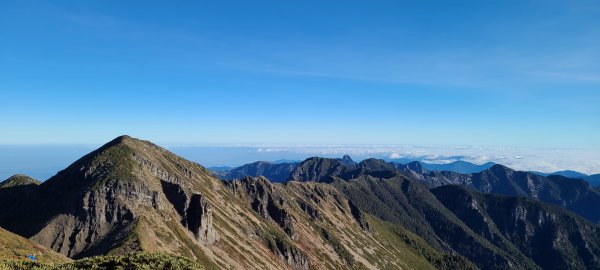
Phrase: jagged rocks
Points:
(287, 252)
(194, 210)
(359, 216)
(311, 211)
(200, 219)
(264, 202)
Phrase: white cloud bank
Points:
(519, 158)
(527, 159)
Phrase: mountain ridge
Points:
(131, 196)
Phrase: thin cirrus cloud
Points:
(493, 68)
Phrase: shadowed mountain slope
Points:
(275, 172)
(552, 237)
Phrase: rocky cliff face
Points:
(194, 210)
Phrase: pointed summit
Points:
(347, 161)
(123, 185)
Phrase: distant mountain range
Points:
(458, 166)
(278, 171)
(593, 179)
(130, 199)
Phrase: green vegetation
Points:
(189, 247)
(18, 180)
(411, 206)
(14, 247)
(344, 254)
(403, 239)
(138, 261)
(114, 163)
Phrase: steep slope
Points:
(347, 161)
(415, 170)
(14, 247)
(552, 237)
(275, 172)
(16, 191)
(314, 220)
(575, 195)
(410, 205)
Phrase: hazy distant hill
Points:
(458, 166)
(276, 170)
(594, 179)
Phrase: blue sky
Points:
(498, 73)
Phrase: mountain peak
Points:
(374, 164)
(18, 180)
(499, 168)
(347, 160)
(123, 139)
(416, 166)
(118, 187)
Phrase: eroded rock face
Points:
(194, 210)
(200, 219)
(262, 200)
(293, 256)
(265, 202)
(358, 216)
(96, 223)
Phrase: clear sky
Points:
(515, 73)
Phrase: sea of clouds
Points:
(519, 158)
